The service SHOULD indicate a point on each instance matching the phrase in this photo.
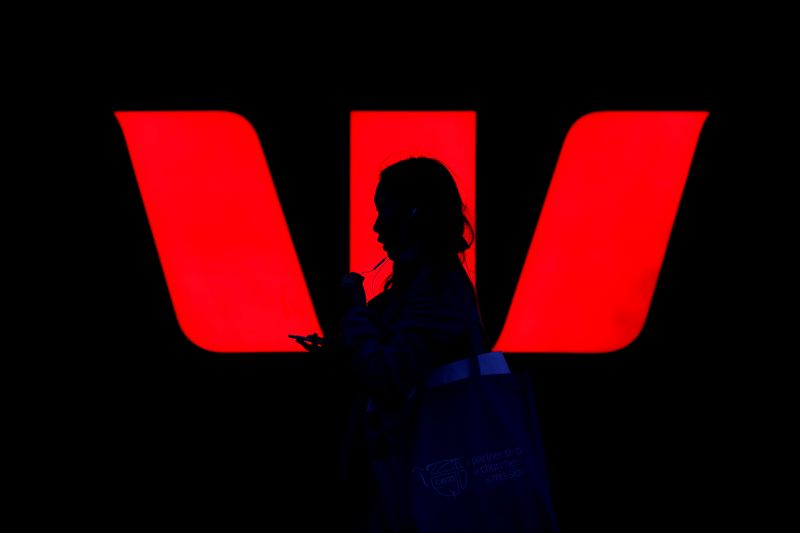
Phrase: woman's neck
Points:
(414, 255)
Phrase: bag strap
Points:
(489, 363)
(485, 364)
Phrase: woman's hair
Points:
(440, 220)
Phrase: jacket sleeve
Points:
(389, 359)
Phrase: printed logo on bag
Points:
(237, 285)
(449, 477)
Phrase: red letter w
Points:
(236, 282)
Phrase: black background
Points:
(649, 437)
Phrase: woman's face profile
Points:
(391, 224)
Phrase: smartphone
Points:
(315, 339)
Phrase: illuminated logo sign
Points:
(235, 280)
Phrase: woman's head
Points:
(419, 207)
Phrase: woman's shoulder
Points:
(441, 279)
(435, 281)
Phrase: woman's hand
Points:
(351, 291)
(311, 343)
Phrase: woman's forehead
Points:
(381, 198)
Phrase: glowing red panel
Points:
(379, 138)
(589, 277)
(237, 285)
(230, 266)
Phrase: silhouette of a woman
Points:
(426, 316)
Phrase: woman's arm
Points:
(389, 359)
